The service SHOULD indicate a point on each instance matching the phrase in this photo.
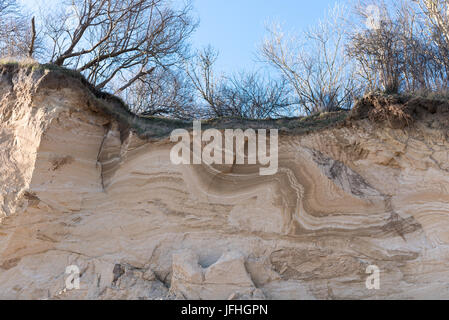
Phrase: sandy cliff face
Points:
(77, 190)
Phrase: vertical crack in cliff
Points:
(107, 128)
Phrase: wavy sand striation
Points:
(78, 190)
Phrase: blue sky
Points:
(236, 28)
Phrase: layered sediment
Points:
(80, 187)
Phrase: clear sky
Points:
(236, 27)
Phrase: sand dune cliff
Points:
(77, 188)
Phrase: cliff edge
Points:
(85, 183)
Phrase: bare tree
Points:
(110, 39)
(436, 13)
(207, 84)
(416, 47)
(403, 53)
(162, 93)
(33, 38)
(246, 95)
(7, 7)
(253, 96)
(437, 17)
(378, 52)
(18, 38)
(316, 67)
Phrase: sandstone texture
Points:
(78, 189)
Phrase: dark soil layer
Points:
(399, 111)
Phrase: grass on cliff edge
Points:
(159, 127)
(374, 107)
